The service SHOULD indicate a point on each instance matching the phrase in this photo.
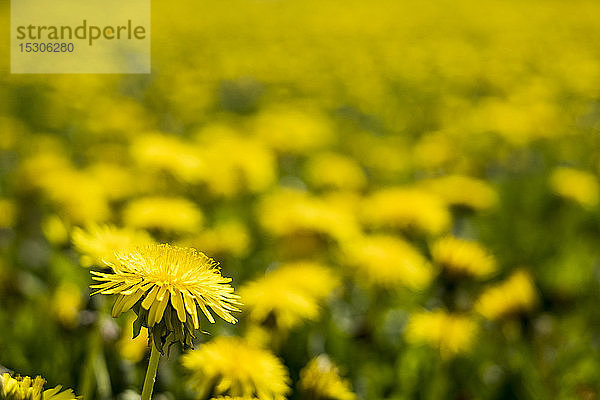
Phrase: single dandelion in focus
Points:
(320, 379)
(26, 388)
(232, 366)
(165, 286)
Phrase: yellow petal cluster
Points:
(452, 334)
(26, 388)
(516, 294)
(291, 293)
(463, 257)
(388, 261)
(320, 378)
(577, 185)
(231, 366)
(162, 276)
(406, 208)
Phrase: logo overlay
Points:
(75, 36)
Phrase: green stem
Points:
(151, 373)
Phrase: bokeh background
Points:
(410, 190)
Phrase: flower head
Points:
(289, 294)
(388, 261)
(98, 243)
(25, 388)
(234, 367)
(453, 334)
(463, 257)
(514, 295)
(165, 285)
(321, 378)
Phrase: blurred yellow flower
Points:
(287, 212)
(463, 257)
(227, 237)
(516, 294)
(292, 130)
(55, 230)
(118, 182)
(169, 153)
(154, 276)
(331, 170)
(577, 185)
(132, 347)
(98, 243)
(169, 214)
(388, 261)
(406, 208)
(238, 164)
(25, 388)
(452, 334)
(461, 190)
(320, 379)
(8, 213)
(231, 366)
(66, 304)
(291, 293)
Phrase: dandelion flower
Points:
(463, 257)
(516, 294)
(98, 243)
(460, 190)
(388, 261)
(289, 294)
(292, 131)
(165, 285)
(289, 212)
(231, 366)
(331, 170)
(576, 185)
(66, 304)
(407, 208)
(170, 214)
(25, 388)
(452, 334)
(321, 380)
(8, 212)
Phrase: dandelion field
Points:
(387, 200)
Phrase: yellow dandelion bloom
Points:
(452, 334)
(132, 348)
(227, 237)
(462, 257)
(291, 130)
(66, 304)
(56, 230)
(331, 170)
(460, 190)
(162, 152)
(238, 164)
(8, 213)
(25, 388)
(289, 212)
(165, 285)
(320, 378)
(516, 294)
(388, 261)
(231, 366)
(170, 214)
(291, 293)
(233, 398)
(576, 185)
(98, 243)
(406, 208)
